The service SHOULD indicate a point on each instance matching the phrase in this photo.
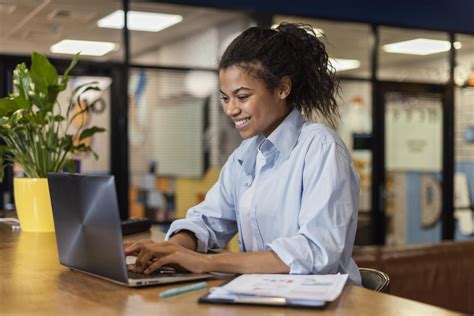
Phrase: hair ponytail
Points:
(291, 50)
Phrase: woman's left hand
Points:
(151, 256)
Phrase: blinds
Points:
(167, 121)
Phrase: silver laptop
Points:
(88, 231)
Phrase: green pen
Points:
(183, 289)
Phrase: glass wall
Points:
(355, 128)
(464, 138)
(194, 38)
(348, 44)
(413, 132)
(413, 153)
(169, 124)
(413, 55)
(179, 137)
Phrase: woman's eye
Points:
(243, 97)
(224, 99)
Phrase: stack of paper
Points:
(311, 290)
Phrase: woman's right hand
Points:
(133, 247)
(154, 255)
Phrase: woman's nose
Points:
(230, 108)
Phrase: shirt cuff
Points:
(202, 236)
(289, 257)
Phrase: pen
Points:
(183, 289)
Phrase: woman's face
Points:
(247, 101)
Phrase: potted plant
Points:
(37, 135)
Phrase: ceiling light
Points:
(457, 45)
(344, 64)
(90, 48)
(140, 21)
(318, 32)
(420, 46)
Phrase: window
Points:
(413, 55)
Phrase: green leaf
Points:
(42, 73)
(22, 80)
(7, 106)
(3, 120)
(67, 143)
(82, 148)
(52, 96)
(22, 102)
(96, 156)
(73, 63)
(37, 100)
(40, 118)
(88, 132)
(70, 165)
(58, 118)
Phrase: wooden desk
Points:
(33, 282)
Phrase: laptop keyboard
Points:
(158, 273)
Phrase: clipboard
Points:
(264, 301)
(285, 290)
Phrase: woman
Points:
(290, 189)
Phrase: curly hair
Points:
(292, 50)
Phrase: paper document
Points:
(323, 288)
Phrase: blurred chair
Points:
(375, 280)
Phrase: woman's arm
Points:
(185, 238)
(247, 262)
(213, 221)
(327, 216)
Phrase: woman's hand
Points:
(132, 247)
(151, 256)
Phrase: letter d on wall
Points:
(430, 201)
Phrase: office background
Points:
(408, 119)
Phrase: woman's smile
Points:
(242, 123)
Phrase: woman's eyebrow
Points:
(240, 89)
(236, 90)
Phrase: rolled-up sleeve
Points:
(213, 221)
(327, 218)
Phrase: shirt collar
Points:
(283, 138)
(286, 134)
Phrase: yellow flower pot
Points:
(33, 204)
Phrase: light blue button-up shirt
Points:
(305, 205)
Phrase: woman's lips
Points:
(241, 124)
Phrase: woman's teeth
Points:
(241, 122)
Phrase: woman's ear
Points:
(285, 87)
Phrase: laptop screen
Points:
(87, 224)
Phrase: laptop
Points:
(88, 231)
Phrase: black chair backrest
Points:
(374, 279)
